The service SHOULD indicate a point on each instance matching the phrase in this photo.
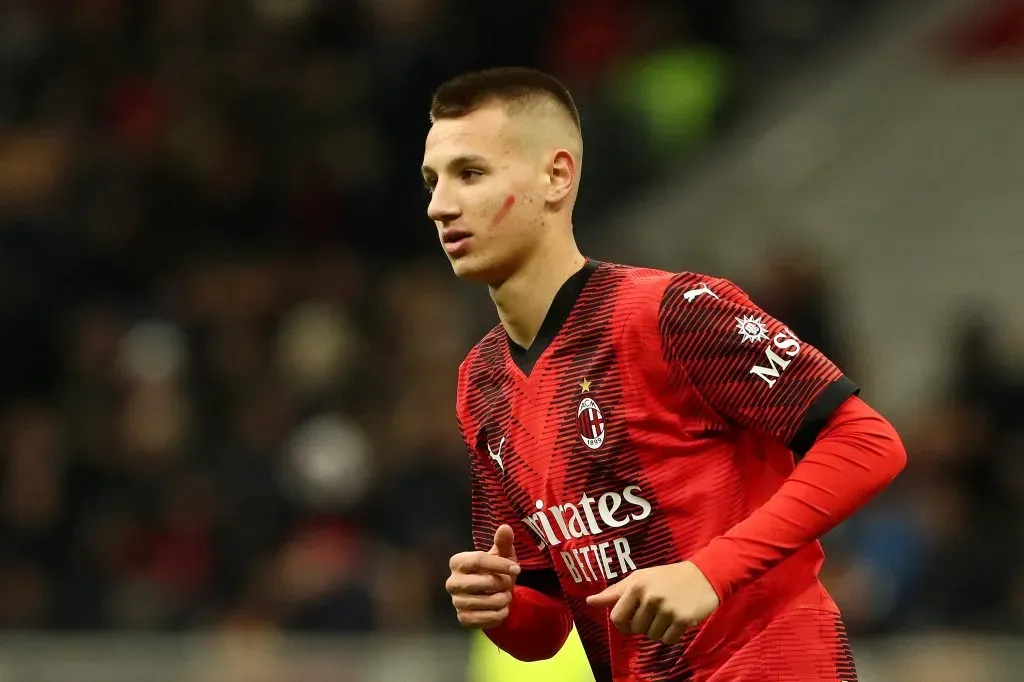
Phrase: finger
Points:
(622, 612)
(484, 602)
(504, 542)
(608, 596)
(482, 619)
(478, 583)
(659, 625)
(644, 616)
(482, 562)
(674, 632)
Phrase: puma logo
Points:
(692, 294)
(496, 456)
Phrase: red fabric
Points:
(856, 455)
(662, 415)
(536, 628)
(781, 647)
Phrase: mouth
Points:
(454, 235)
(456, 241)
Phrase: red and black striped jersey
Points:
(653, 412)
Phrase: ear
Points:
(561, 176)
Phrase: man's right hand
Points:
(481, 582)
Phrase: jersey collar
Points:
(554, 320)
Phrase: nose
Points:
(442, 207)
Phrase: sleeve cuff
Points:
(816, 416)
(712, 564)
(536, 627)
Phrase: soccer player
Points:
(653, 456)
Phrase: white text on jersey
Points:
(591, 516)
(787, 343)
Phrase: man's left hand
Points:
(661, 602)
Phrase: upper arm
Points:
(745, 365)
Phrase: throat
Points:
(533, 311)
(521, 313)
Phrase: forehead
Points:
(485, 132)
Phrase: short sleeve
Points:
(747, 366)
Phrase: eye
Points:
(429, 184)
(470, 174)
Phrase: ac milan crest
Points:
(590, 423)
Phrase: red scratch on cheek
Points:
(510, 201)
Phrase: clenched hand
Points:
(661, 602)
(481, 582)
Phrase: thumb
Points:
(504, 542)
(607, 597)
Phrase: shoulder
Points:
(634, 288)
(480, 362)
(652, 295)
(483, 350)
(653, 285)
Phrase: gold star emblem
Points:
(585, 385)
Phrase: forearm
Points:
(857, 454)
(536, 628)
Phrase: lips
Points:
(454, 234)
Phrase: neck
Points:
(524, 298)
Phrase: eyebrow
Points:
(457, 162)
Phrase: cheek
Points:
(503, 210)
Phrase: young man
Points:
(632, 433)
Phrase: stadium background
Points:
(228, 339)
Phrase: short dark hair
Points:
(513, 86)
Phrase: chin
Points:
(472, 268)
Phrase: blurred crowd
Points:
(944, 547)
(229, 348)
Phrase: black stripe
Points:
(541, 579)
(558, 313)
(819, 412)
